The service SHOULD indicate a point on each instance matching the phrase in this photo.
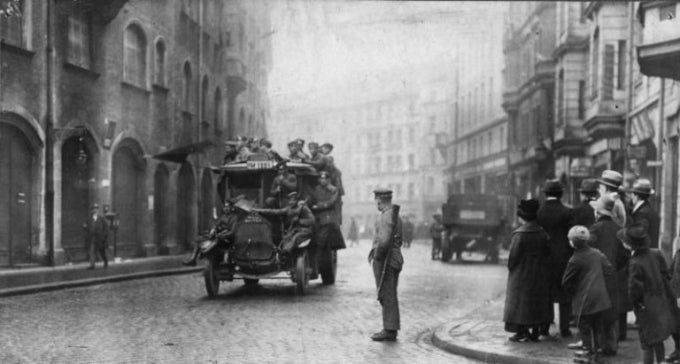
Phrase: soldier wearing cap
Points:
(325, 197)
(642, 213)
(242, 149)
(230, 152)
(284, 183)
(266, 148)
(317, 159)
(556, 220)
(609, 183)
(296, 152)
(583, 212)
(387, 262)
(333, 170)
(299, 222)
(97, 230)
(224, 229)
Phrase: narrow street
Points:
(170, 320)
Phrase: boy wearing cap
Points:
(584, 281)
(642, 213)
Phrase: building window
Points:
(595, 64)
(134, 69)
(411, 191)
(411, 162)
(12, 25)
(159, 77)
(80, 40)
(667, 12)
(186, 90)
(621, 70)
(581, 99)
(411, 135)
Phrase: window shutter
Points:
(608, 89)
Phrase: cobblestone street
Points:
(170, 320)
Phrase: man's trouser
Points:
(388, 294)
(610, 333)
(565, 316)
(94, 248)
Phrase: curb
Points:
(37, 288)
(441, 334)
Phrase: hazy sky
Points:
(320, 45)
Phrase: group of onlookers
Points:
(597, 262)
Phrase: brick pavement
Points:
(170, 320)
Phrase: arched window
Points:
(217, 122)
(186, 90)
(134, 68)
(159, 77)
(204, 99)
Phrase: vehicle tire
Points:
(328, 266)
(212, 281)
(251, 282)
(301, 276)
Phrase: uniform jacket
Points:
(583, 214)
(299, 215)
(325, 199)
(384, 240)
(225, 227)
(603, 238)
(584, 281)
(648, 218)
(319, 162)
(527, 300)
(284, 184)
(335, 175)
(97, 231)
(243, 155)
(556, 220)
(436, 230)
(298, 155)
(656, 309)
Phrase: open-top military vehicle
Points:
(475, 222)
(255, 252)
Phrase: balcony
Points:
(510, 101)
(659, 53)
(107, 10)
(605, 119)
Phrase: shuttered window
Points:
(581, 99)
(608, 76)
(595, 65)
(621, 66)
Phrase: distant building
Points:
(129, 80)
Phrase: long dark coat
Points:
(527, 300)
(584, 280)
(603, 238)
(97, 231)
(656, 309)
(646, 217)
(556, 220)
(583, 214)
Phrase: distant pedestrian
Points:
(97, 230)
(436, 230)
(642, 213)
(387, 261)
(408, 232)
(655, 307)
(353, 233)
(584, 281)
(609, 183)
(556, 220)
(583, 212)
(527, 299)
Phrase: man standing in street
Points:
(436, 230)
(556, 220)
(583, 213)
(387, 262)
(97, 230)
(643, 214)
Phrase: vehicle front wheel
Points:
(301, 277)
(328, 266)
(212, 282)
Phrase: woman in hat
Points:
(527, 301)
(655, 308)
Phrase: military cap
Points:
(241, 138)
(323, 174)
(552, 186)
(588, 185)
(643, 186)
(266, 143)
(382, 192)
(300, 141)
(312, 144)
(603, 205)
(635, 236)
(327, 145)
(611, 178)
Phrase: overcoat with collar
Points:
(603, 238)
(584, 280)
(646, 217)
(556, 220)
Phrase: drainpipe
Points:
(629, 98)
(49, 142)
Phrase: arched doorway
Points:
(207, 200)
(128, 179)
(18, 173)
(186, 202)
(78, 155)
(160, 204)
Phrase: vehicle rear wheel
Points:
(301, 277)
(212, 282)
(328, 266)
(251, 282)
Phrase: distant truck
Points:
(476, 222)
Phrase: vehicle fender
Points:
(305, 243)
(207, 245)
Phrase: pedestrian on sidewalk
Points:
(584, 280)
(583, 212)
(609, 184)
(655, 307)
(387, 261)
(642, 213)
(527, 298)
(556, 219)
(353, 232)
(436, 230)
(97, 230)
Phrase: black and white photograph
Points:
(339, 181)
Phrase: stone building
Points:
(127, 81)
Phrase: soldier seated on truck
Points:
(299, 221)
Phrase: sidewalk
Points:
(39, 279)
(481, 336)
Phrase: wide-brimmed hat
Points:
(611, 178)
(603, 205)
(528, 209)
(643, 186)
(635, 236)
(552, 186)
(588, 185)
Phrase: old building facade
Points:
(127, 81)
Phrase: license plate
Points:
(260, 164)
